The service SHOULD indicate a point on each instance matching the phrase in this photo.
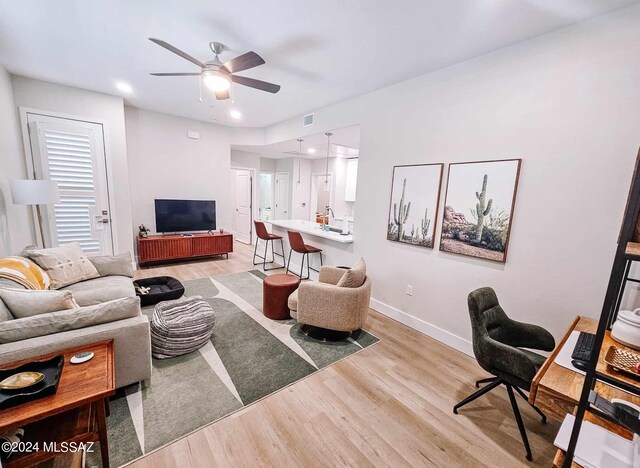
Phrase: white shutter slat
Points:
(70, 163)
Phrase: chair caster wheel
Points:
(529, 457)
(544, 420)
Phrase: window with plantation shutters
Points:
(71, 153)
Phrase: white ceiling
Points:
(321, 52)
(345, 142)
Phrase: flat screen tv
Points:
(185, 215)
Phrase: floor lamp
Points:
(35, 192)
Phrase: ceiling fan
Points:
(217, 76)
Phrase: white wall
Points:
(245, 159)
(286, 165)
(300, 192)
(89, 105)
(164, 163)
(16, 226)
(567, 103)
(337, 167)
(268, 165)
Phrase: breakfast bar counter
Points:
(313, 229)
(337, 250)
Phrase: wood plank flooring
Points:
(389, 405)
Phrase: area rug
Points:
(248, 358)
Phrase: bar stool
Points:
(262, 233)
(297, 244)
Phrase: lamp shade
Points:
(34, 192)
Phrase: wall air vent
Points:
(307, 120)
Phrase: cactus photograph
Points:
(478, 208)
(415, 192)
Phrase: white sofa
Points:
(96, 320)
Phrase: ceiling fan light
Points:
(216, 81)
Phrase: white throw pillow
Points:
(26, 303)
(65, 265)
(355, 276)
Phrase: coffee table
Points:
(76, 413)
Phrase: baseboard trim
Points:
(423, 327)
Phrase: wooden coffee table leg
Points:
(102, 432)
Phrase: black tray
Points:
(51, 368)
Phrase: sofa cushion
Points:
(103, 289)
(65, 265)
(354, 277)
(5, 313)
(56, 322)
(24, 272)
(113, 265)
(25, 303)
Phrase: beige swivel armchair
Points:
(329, 312)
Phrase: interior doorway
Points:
(71, 152)
(241, 199)
(266, 190)
(282, 196)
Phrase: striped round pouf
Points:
(180, 327)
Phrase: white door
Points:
(282, 196)
(242, 212)
(71, 152)
(266, 196)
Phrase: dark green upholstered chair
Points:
(497, 345)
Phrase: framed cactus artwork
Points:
(413, 210)
(478, 208)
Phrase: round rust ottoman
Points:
(276, 290)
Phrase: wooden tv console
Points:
(161, 248)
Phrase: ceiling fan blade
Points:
(222, 95)
(175, 74)
(243, 62)
(177, 51)
(257, 84)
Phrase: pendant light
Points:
(326, 173)
(299, 140)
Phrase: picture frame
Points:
(485, 192)
(414, 204)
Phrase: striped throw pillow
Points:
(25, 272)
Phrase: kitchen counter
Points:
(313, 229)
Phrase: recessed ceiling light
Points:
(235, 114)
(311, 150)
(124, 87)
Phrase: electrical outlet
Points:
(409, 290)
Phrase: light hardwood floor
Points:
(389, 405)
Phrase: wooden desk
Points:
(556, 389)
(75, 413)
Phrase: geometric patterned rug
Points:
(248, 358)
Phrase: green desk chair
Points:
(497, 345)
